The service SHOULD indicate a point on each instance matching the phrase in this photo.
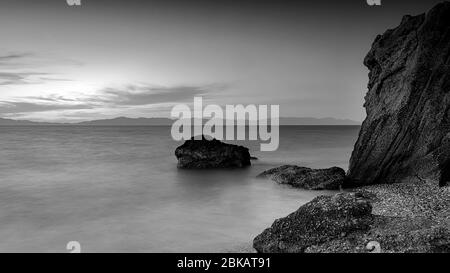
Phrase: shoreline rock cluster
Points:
(323, 219)
(350, 222)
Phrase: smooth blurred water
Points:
(117, 189)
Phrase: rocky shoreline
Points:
(399, 200)
(396, 196)
(404, 217)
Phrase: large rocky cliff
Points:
(405, 137)
(407, 129)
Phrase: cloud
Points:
(30, 59)
(12, 65)
(26, 107)
(133, 95)
(14, 78)
(129, 98)
(55, 79)
(50, 98)
(15, 56)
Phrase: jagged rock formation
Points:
(306, 178)
(407, 129)
(207, 154)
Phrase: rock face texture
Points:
(323, 219)
(391, 235)
(306, 178)
(407, 129)
(208, 154)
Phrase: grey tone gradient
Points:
(139, 58)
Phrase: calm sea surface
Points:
(117, 189)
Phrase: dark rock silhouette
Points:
(306, 178)
(208, 154)
(407, 129)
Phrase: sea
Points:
(118, 189)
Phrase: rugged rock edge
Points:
(209, 154)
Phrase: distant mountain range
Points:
(124, 121)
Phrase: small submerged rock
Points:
(307, 178)
(208, 154)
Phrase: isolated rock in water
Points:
(321, 220)
(206, 154)
(306, 178)
(407, 129)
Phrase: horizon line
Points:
(162, 118)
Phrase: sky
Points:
(110, 58)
